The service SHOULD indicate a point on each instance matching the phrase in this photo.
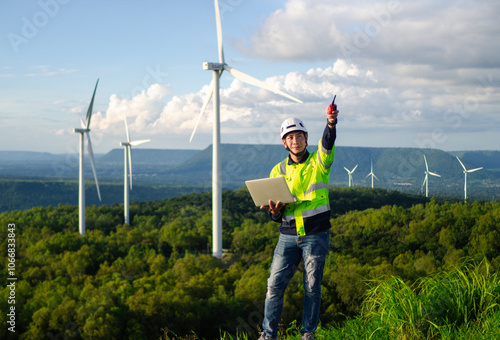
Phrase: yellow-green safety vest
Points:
(308, 182)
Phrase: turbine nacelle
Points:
(213, 66)
(78, 130)
(135, 142)
(350, 172)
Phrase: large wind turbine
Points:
(217, 69)
(371, 173)
(426, 179)
(127, 169)
(84, 130)
(350, 172)
(466, 172)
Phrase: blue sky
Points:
(406, 74)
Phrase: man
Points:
(305, 225)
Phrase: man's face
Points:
(295, 141)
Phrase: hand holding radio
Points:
(332, 113)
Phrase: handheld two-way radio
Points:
(332, 107)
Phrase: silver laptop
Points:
(265, 189)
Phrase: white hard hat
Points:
(292, 124)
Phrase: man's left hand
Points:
(274, 209)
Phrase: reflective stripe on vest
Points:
(309, 213)
(326, 152)
(312, 200)
(316, 186)
(283, 167)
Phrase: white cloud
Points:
(241, 105)
(399, 68)
(290, 33)
(401, 100)
(416, 32)
(141, 111)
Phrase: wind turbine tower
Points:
(127, 170)
(350, 172)
(465, 173)
(371, 173)
(217, 69)
(84, 130)
(426, 179)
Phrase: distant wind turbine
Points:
(127, 168)
(426, 179)
(350, 172)
(371, 173)
(466, 172)
(217, 69)
(84, 130)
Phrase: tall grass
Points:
(460, 304)
(434, 305)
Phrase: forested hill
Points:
(159, 174)
(402, 169)
(489, 159)
(157, 278)
(390, 165)
(165, 157)
(246, 161)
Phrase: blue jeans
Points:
(289, 251)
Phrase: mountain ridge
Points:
(394, 167)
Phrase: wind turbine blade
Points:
(425, 180)
(434, 174)
(203, 108)
(126, 128)
(89, 111)
(463, 166)
(474, 169)
(92, 163)
(253, 81)
(219, 32)
(130, 165)
(376, 177)
(354, 168)
(426, 167)
(347, 170)
(368, 174)
(82, 123)
(139, 142)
